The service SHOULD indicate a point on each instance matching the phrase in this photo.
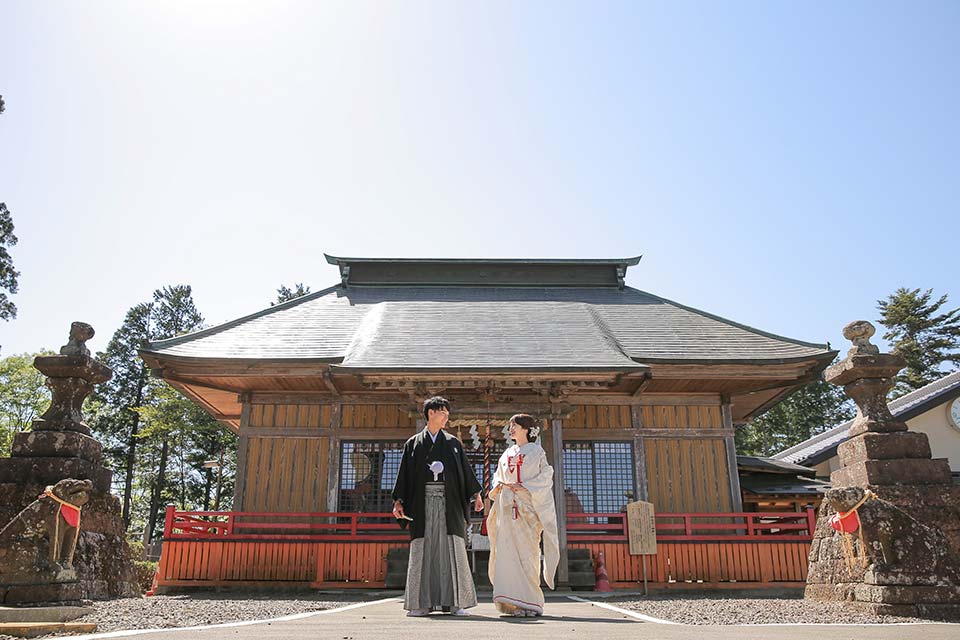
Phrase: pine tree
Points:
(921, 335)
(119, 402)
(285, 293)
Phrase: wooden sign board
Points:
(641, 528)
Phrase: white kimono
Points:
(515, 523)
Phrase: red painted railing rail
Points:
(693, 527)
(327, 526)
(581, 527)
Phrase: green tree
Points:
(285, 293)
(8, 275)
(921, 334)
(808, 411)
(181, 437)
(120, 400)
(23, 396)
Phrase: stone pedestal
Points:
(46, 457)
(60, 447)
(908, 547)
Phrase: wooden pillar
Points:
(559, 497)
(731, 447)
(640, 490)
(333, 458)
(241, 479)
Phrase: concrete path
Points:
(564, 618)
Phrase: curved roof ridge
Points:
(605, 332)
(733, 323)
(209, 331)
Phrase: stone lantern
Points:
(904, 557)
(59, 461)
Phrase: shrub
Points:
(145, 571)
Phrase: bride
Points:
(522, 510)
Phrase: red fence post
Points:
(229, 531)
(750, 528)
(168, 521)
(687, 525)
(811, 521)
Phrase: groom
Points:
(435, 486)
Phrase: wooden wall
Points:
(708, 563)
(681, 417)
(373, 416)
(686, 475)
(599, 417)
(291, 415)
(261, 563)
(286, 475)
(210, 563)
(647, 417)
(289, 451)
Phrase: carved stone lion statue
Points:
(39, 543)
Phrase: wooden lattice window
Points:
(368, 471)
(598, 476)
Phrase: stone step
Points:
(42, 614)
(35, 629)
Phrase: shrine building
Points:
(638, 397)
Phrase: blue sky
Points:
(781, 164)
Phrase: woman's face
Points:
(516, 430)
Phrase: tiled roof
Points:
(904, 407)
(463, 327)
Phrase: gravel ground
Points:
(206, 608)
(689, 609)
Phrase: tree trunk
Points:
(158, 489)
(207, 485)
(128, 479)
(132, 451)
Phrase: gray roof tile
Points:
(413, 327)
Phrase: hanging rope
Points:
(840, 522)
(70, 513)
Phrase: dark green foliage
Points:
(145, 571)
(285, 293)
(8, 275)
(806, 412)
(116, 416)
(921, 335)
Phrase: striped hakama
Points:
(438, 576)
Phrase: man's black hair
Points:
(436, 403)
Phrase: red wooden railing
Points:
(322, 527)
(694, 527)
(581, 527)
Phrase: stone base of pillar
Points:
(902, 566)
(56, 444)
(44, 471)
(60, 594)
(893, 472)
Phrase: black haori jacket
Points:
(460, 483)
